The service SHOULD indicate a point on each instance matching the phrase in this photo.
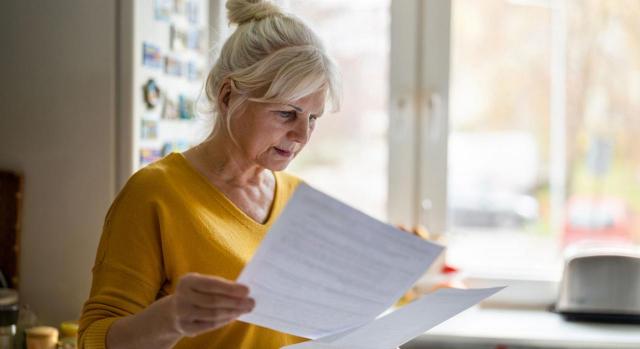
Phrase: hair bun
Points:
(242, 11)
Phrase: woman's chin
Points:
(277, 162)
(276, 165)
(279, 166)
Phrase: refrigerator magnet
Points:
(149, 129)
(194, 71)
(172, 66)
(185, 107)
(167, 148)
(162, 9)
(174, 146)
(193, 11)
(179, 6)
(151, 93)
(169, 109)
(151, 55)
(178, 39)
(194, 39)
(149, 155)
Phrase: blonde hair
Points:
(270, 57)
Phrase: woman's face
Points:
(271, 135)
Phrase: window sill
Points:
(534, 292)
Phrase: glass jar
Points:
(42, 337)
(68, 335)
(8, 317)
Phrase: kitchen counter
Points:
(530, 328)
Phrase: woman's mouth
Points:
(283, 153)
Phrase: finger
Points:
(216, 285)
(215, 301)
(417, 231)
(199, 327)
(212, 315)
(403, 228)
(407, 230)
(422, 232)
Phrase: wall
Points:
(57, 126)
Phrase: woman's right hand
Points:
(199, 304)
(203, 303)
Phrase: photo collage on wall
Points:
(174, 52)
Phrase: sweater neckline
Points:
(226, 203)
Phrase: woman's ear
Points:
(224, 95)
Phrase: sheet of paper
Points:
(324, 267)
(404, 324)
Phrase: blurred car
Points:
(590, 219)
(490, 177)
(492, 209)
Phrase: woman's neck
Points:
(225, 163)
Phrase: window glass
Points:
(502, 150)
(347, 154)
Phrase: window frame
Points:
(419, 81)
(419, 133)
(419, 113)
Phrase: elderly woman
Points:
(184, 227)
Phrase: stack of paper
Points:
(325, 271)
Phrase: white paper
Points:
(324, 267)
(402, 325)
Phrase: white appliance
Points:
(601, 286)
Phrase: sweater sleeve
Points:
(128, 272)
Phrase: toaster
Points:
(601, 287)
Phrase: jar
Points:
(68, 335)
(8, 317)
(42, 337)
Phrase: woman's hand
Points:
(203, 303)
(418, 231)
(200, 303)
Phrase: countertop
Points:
(534, 328)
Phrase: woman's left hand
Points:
(418, 231)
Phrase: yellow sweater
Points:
(167, 221)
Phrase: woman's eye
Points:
(287, 114)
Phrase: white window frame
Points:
(419, 81)
(418, 132)
(418, 103)
(419, 112)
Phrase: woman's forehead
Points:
(313, 103)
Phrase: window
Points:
(347, 154)
(506, 126)
(533, 120)
(500, 158)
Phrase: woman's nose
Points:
(300, 131)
